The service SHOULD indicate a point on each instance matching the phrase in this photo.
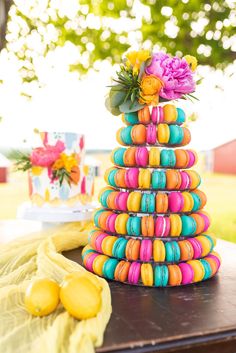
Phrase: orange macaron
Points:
(111, 198)
(199, 222)
(120, 178)
(144, 116)
(175, 275)
(103, 219)
(132, 249)
(161, 203)
(187, 136)
(121, 271)
(147, 226)
(173, 179)
(182, 158)
(170, 113)
(129, 157)
(138, 134)
(186, 250)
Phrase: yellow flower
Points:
(136, 58)
(151, 85)
(192, 61)
(149, 99)
(59, 164)
(65, 161)
(36, 170)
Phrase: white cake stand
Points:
(51, 216)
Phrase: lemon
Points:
(42, 297)
(89, 275)
(80, 296)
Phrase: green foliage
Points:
(61, 175)
(203, 28)
(21, 161)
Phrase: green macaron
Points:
(131, 118)
(148, 203)
(125, 135)
(133, 226)
(172, 251)
(161, 276)
(119, 247)
(168, 158)
(189, 225)
(180, 116)
(158, 179)
(176, 135)
(109, 267)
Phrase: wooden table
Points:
(196, 318)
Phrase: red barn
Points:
(4, 166)
(222, 159)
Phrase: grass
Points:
(220, 190)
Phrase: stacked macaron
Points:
(153, 225)
(152, 229)
(154, 202)
(168, 114)
(152, 179)
(162, 134)
(151, 250)
(153, 157)
(151, 273)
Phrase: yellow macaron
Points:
(159, 251)
(195, 179)
(198, 270)
(107, 244)
(205, 243)
(175, 225)
(134, 201)
(163, 133)
(188, 202)
(147, 274)
(154, 157)
(120, 223)
(170, 113)
(144, 179)
(118, 137)
(98, 264)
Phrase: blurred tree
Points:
(4, 8)
(101, 30)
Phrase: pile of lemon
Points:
(79, 293)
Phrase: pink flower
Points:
(174, 72)
(46, 156)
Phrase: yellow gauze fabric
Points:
(38, 255)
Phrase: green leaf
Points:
(129, 107)
(116, 98)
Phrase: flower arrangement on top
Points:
(60, 165)
(150, 78)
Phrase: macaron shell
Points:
(132, 249)
(144, 179)
(144, 116)
(186, 250)
(161, 275)
(175, 275)
(129, 157)
(138, 134)
(180, 116)
(161, 203)
(182, 158)
(159, 251)
(173, 179)
(109, 268)
(98, 264)
(175, 225)
(119, 178)
(146, 250)
(130, 118)
(133, 226)
(120, 223)
(131, 178)
(175, 202)
(154, 157)
(170, 113)
(134, 272)
(107, 245)
(186, 136)
(147, 226)
(188, 202)
(121, 271)
(147, 274)
(205, 243)
(198, 270)
(134, 201)
(187, 273)
(163, 133)
(141, 156)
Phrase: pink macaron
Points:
(192, 159)
(151, 134)
(146, 250)
(141, 156)
(98, 242)
(185, 180)
(197, 248)
(110, 223)
(216, 259)
(89, 261)
(134, 273)
(206, 221)
(157, 115)
(131, 178)
(175, 202)
(121, 201)
(162, 226)
(187, 273)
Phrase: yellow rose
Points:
(192, 61)
(149, 99)
(136, 58)
(151, 85)
(143, 55)
(59, 164)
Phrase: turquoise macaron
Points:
(207, 268)
(119, 247)
(133, 226)
(111, 177)
(176, 135)
(196, 202)
(87, 252)
(172, 251)
(131, 118)
(181, 117)
(158, 179)
(109, 267)
(118, 156)
(189, 225)
(161, 276)
(103, 198)
(96, 217)
(148, 203)
(210, 240)
(125, 135)
(168, 158)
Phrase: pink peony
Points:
(46, 156)
(174, 72)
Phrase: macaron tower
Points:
(152, 229)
